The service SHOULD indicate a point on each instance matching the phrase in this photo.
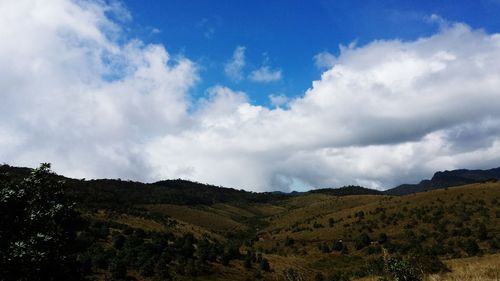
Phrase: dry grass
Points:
(305, 210)
(204, 218)
(136, 222)
(486, 268)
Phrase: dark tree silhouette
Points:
(38, 225)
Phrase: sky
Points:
(258, 95)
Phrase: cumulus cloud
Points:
(265, 74)
(324, 60)
(278, 99)
(234, 67)
(385, 113)
(72, 95)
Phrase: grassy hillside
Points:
(302, 234)
(178, 230)
(447, 223)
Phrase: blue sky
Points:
(288, 34)
(150, 90)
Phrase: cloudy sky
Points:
(288, 95)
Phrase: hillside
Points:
(347, 190)
(447, 179)
(180, 230)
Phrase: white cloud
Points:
(155, 31)
(278, 99)
(324, 60)
(265, 74)
(72, 95)
(234, 67)
(437, 19)
(385, 113)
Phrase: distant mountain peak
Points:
(442, 179)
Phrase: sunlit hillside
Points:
(443, 234)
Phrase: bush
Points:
(401, 270)
(471, 247)
(338, 246)
(482, 232)
(362, 241)
(118, 269)
(382, 238)
(289, 241)
(248, 263)
(264, 265)
(339, 276)
(324, 248)
(319, 277)
(118, 241)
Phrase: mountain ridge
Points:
(440, 179)
(443, 179)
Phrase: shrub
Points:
(118, 241)
(324, 248)
(401, 270)
(264, 265)
(382, 238)
(289, 241)
(338, 246)
(471, 247)
(319, 277)
(482, 232)
(362, 241)
(339, 276)
(248, 262)
(118, 269)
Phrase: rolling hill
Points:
(181, 230)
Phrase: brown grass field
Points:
(307, 220)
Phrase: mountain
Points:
(447, 179)
(123, 194)
(347, 190)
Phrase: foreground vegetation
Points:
(54, 228)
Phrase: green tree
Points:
(38, 226)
